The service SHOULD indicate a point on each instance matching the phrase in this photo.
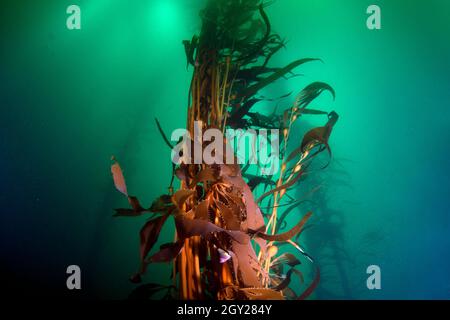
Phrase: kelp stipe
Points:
(225, 247)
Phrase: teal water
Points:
(72, 99)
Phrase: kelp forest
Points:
(237, 232)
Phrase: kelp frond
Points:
(224, 246)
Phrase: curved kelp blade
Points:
(254, 181)
(313, 112)
(119, 182)
(285, 283)
(119, 179)
(246, 262)
(190, 47)
(251, 91)
(284, 186)
(181, 196)
(161, 205)
(286, 258)
(311, 287)
(161, 131)
(311, 92)
(286, 235)
(319, 135)
(240, 112)
(167, 252)
(136, 210)
(149, 234)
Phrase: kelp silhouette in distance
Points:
(225, 248)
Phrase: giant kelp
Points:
(225, 247)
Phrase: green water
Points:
(70, 99)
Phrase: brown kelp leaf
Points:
(229, 170)
(286, 235)
(260, 294)
(254, 181)
(285, 283)
(121, 212)
(311, 92)
(162, 204)
(273, 51)
(289, 294)
(149, 234)
(235, 261)
(187, 228)
(236, 205)
(240, 112)
(262, 245)
(313, 112)
(286, 212)
(315, 135)
(119, 180)
(282, 187)
(278, 98)
(299, 274)
(229, 217)
(246, 261)
(253, 74)
(167, 252)
(188, 215)
(136, 210)
(182, 173)
(257, 47)
(189, 48)
(204, 176)
(255, 220)
(273, 77)
(263, 121)
(320, 134)
(228, 293)
(201, 211)
(311, 287)
(180, 197)
(135, 204)
(286, 258)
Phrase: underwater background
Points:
(70, 99)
